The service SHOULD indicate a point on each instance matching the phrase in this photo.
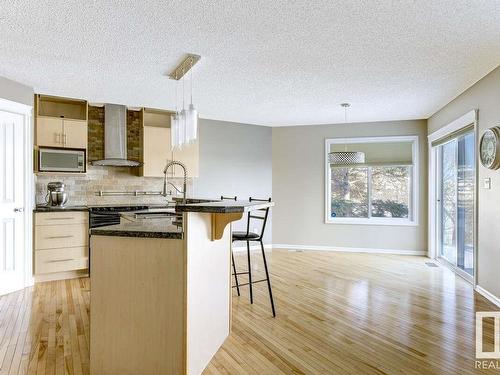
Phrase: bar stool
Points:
(248, 237)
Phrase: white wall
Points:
(298, 189)
(485, 96)
(235, 159)
(15, 91)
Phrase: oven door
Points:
(103, 219)
(61, 160)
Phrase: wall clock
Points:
(489, 148)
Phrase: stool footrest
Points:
(253, 282)
(240, 273)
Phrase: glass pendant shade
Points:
(174, 131)
(191, 123)
(182, 128)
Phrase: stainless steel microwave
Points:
(61, 160)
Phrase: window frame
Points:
(412, 220)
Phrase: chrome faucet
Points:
(170, 164)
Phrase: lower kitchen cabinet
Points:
(61, 260)
(61, 245)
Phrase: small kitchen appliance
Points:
(52, 159)
(56, 194)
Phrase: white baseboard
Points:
(333, 248)
(490, 297)
(349, 249)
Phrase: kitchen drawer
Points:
(61, 260)
(59, 236)
(61, 218)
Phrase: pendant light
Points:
(182, 116)
(184, 123)
(191, 116)
(345, 158)
(174, 122)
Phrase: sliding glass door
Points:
(448, 248)
(456, 201)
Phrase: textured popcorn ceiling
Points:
(264, 62)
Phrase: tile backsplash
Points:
(82, 189)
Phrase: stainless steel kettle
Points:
(56, 194)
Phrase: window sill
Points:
(375, 222)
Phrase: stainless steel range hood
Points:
(115, 138)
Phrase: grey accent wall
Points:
(15, 91)
(485, 96)
(235, 159)
(299, 189)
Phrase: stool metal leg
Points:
(235, 274)
(268, 279)
(249, 272)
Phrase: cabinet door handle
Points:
(58, 137)
(52, 237)
(60, 218)
(60, 260)
(65, 138)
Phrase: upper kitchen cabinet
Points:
(75, 133)
(158, 149)
(189, 155)
(60, 122)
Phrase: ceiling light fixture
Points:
(344, 158)
(184, 123)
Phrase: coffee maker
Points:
(56, 194)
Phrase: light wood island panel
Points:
(147, 276)
(178, 293)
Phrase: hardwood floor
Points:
(338, 313)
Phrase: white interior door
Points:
(12, 196)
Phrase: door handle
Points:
(58, 137)
(20, 209)
(65, 138)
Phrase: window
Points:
(381, 190)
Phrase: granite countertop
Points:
(200, 205)
(150, 226)
(135, 204)
(223, 207)
(45, 208)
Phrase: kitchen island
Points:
(161, 289)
